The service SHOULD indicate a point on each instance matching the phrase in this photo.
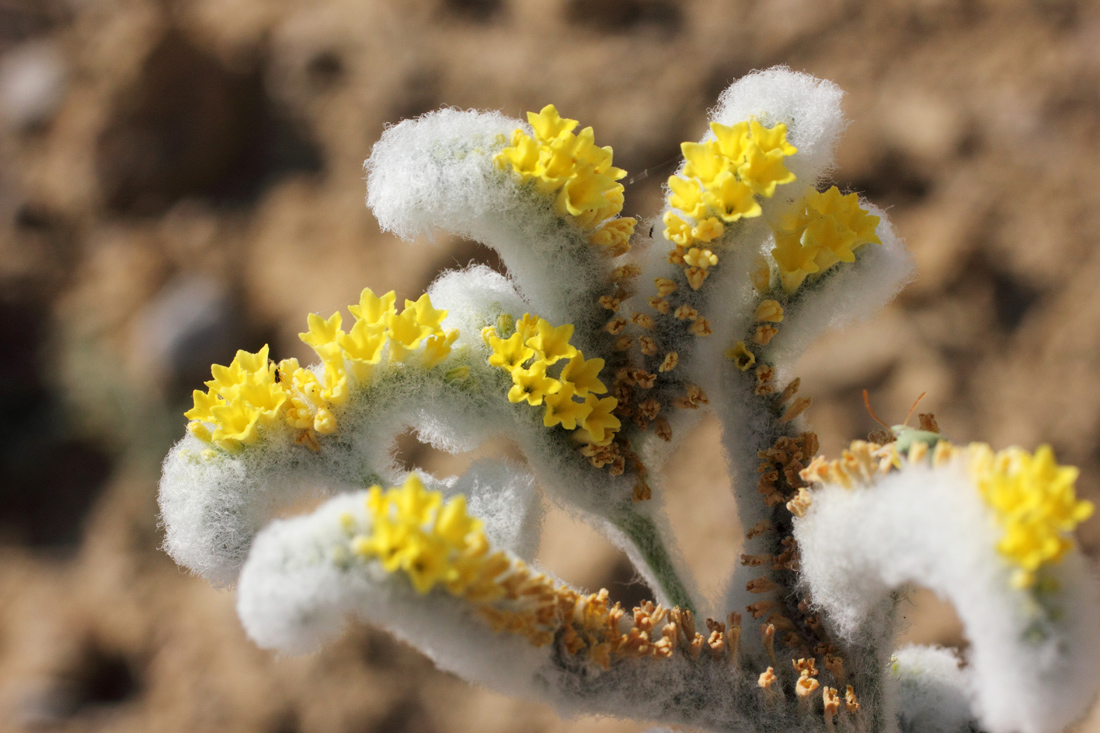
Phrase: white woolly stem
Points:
(930, 527)
(297, 590)
(437, 173)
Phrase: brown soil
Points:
(207, 154)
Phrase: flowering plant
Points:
(596, 354)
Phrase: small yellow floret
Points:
(677, 230)
(687, 196)
(549, 125)
(438, 347)
(731, 198)
(584, 375)
(615, 235)
(763, 171)
(701, 258)
(741, 356)
(769, 310)
(708, 230)
(509, 353)
(551, 343)
(362, 346)
(1034, 500)
(532, 384)
(562, 409)
(600, 424)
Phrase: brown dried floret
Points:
(659, 304)
(609, 302)
(665, 286)
(695, 276)
(615, 326)
(701, 327)
(686, 313)
(625, 272)
(663, 429)
(764, 334)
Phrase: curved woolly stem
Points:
(927, 524)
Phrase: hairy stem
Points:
(646, 537)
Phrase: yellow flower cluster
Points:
(577, 172)
(1034, 500)
(527, 353)
(819, 231)
(413, 531)
(721, 180)
(242, 398)
(253, 393)
(438, 544)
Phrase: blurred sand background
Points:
(182, 179)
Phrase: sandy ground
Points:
(167, 164)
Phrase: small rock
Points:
(185, 327)
(32, 84)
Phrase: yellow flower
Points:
(571, 168)
(415, 504)
(362, 346)
(701, 258)
(425, 314)
(731, 198)
(522, 156)
(406, 332)
(708, 230)
(532, 384)
(322, 332)
(204, 401)
(372, 309)
(307, 407)
(527, 326)
(686, 196)
(677, 230)
(704, 161)
(414, 532)
(509, 353)
(454, 523)
(551, 343)
(615, 235)
(731, 140)
(580, 194)
(426, 560)
(600, 424)
(438, 347)
(771, 139)
(584, 375)
(549, 125)
(763, 171)
(1034, 500)
(562, 409)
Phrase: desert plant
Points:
(596, 355)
